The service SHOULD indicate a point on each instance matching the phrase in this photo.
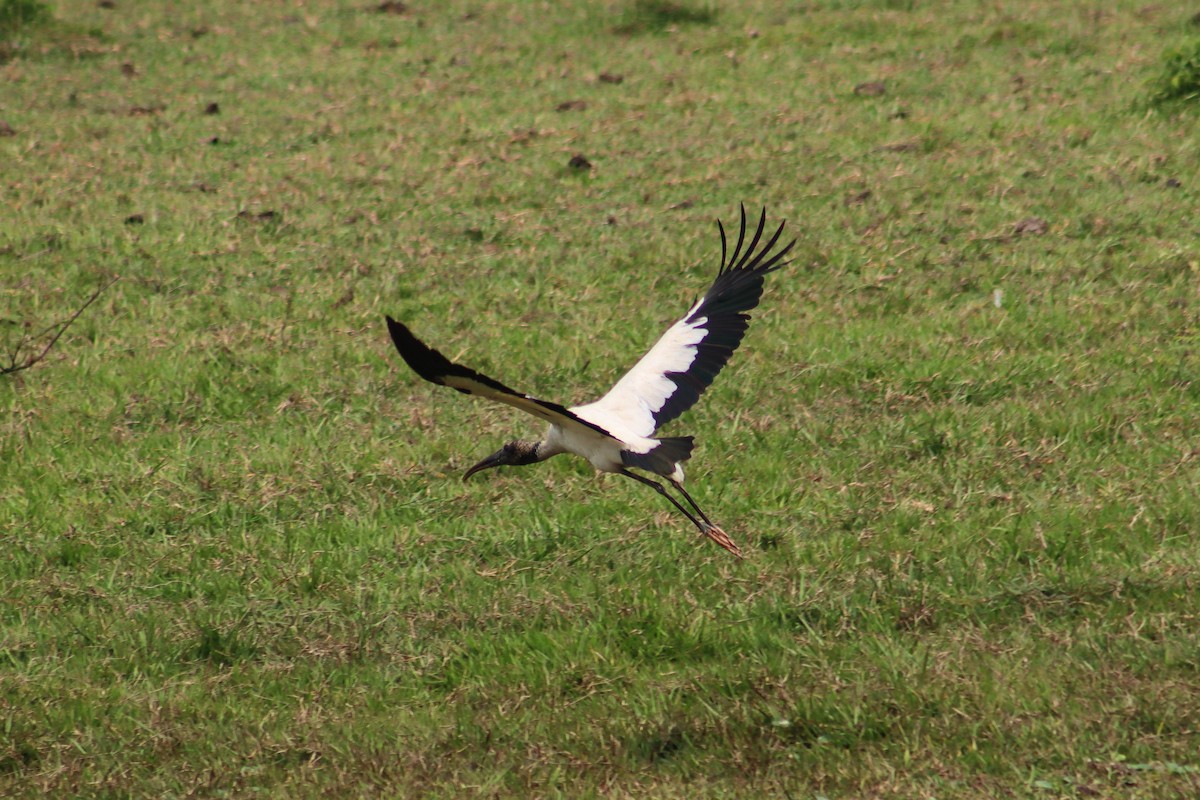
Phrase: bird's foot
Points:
(720, 537)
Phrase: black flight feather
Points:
(436, 368)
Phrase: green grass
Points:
(18, 20)
(238, 557)
(1180, 78)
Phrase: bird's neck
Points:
(541, 450)
(531, 452)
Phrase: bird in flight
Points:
(616, 432)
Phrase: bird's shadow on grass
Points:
(656, 16)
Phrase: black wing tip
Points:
(396, 328)
(761, 262)
(424, 360)
(406, 343)
(402, 337)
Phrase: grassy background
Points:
(237, 556)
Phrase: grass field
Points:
(959, 446)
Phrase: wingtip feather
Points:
(753, 258)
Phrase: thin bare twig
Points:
(62, 326)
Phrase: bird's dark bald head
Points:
(516, 453)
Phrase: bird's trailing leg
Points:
(705, 526)
(683, 492)
(712, 531)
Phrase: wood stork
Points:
(616, 432)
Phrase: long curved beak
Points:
(496, 459)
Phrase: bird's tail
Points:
(676, 448)
(663, 457)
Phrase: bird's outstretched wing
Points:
(669, 379)
(436, 368)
